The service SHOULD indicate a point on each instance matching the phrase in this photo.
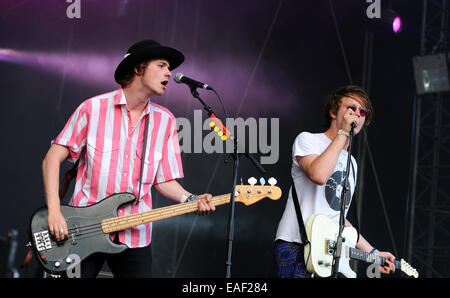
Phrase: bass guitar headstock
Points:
(252, 193)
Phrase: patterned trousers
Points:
(289, 258)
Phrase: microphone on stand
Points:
(181, 78)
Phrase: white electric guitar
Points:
(322, 234)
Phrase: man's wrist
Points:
(374, 251)
(53, 204)
(343, 132)
(184, 197)
(187, 198)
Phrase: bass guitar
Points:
(90, 227)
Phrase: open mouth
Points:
(164, 83)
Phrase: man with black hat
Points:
(106, 136)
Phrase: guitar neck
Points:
(115, 224)
(371, 258)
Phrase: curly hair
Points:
(333, 102)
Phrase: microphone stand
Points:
(235, 156)
(12, 237)
(340, 239)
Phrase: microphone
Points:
(181, 78)
(353, 125)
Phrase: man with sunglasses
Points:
(318, 171)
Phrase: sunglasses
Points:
(363, 112)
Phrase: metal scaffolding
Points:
(427, 241)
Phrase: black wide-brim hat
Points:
(146, 50)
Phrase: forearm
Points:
(322, 166)
(171, 189)
(50, 174)
(362, 244)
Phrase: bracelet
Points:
(343, 132)
(184, 198)
(187, 198)
(374, 251)
(191, 198)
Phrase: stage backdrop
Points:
(272, 63)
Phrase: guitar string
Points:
(135, 218)
(172, 209)
(98, 229)
(397, 263)
(148, 214)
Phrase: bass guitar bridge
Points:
(42, 240)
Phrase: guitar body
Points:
(85, 233)
(322, 234)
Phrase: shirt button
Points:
(126, 155)
(125, 174)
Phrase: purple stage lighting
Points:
(397, 25)
(388, 21)
(93, 68)
(97, 69)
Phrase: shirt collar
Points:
(120, 99)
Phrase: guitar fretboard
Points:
(371, 258)
(114, 224)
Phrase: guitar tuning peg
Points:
(252, 181)
(272, 181)
(262, 181)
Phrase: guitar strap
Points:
(144, 146)
(301, 224)
(355, 198)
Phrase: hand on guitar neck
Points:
(205, 205)
(388, 266)
(362, 244)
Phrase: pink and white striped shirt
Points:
(100, 135)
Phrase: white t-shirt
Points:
(314, 198)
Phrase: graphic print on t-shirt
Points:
(333, 191)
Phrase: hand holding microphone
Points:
(350, 120)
